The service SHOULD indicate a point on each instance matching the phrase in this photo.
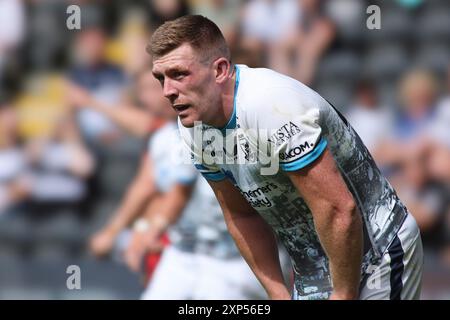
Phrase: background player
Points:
(202, 261)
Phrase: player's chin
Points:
(187, 120)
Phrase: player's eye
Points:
(159, 77)
(179, 75)
(161, 80)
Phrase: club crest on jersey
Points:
(284, 133)
(249, 155)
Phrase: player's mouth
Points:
(181, 108)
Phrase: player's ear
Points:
(222, 70)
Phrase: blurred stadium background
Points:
(63, 173)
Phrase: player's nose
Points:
(169, 90)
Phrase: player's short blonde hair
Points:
(201, 33)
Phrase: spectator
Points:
(134, 33)
(135, 120)
(47, 33)
(60, 165)
(417, 95)
(436, 143)
(316, 34)
(370, 120)
(105, 81)
(408, 151)
(437, 148)
(12, 15)
(163, 10)
(12, 34)
(270, 25)
(440, 128)
(14, 185)
(424, 197)
(296, 34)
(225, 13)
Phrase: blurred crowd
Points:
(74, 123)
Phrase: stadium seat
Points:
(115, 176)
(98, 274)
(51, 251)
(387, 91)
(46, 271)
(93, 293)
(433, 56)
(348, 16)
(25, 293)
(62, 226)
(341, 64)
(386, 62)
(434, 24)
(337, 92)
(396, 26)
(11, 266)
(15, 228)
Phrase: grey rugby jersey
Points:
(275, 112)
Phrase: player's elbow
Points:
(346, 214)
(348, 206)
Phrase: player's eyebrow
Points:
(176, 68)
(168, 71)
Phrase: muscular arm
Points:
(253, 237)
(170, 209)
(337, 221)
(140, 192)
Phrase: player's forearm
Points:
(130, 119)
(258, 246)
(170, 209)
(340, 232)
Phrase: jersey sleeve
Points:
(209, 173)
(166, 147)
(293, 121)
(185, 174)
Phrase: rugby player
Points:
(348, 234)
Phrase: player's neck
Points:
(228, 100)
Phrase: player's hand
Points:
(102, 242)
(338, 296)
(140, 244)
(280, 294)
